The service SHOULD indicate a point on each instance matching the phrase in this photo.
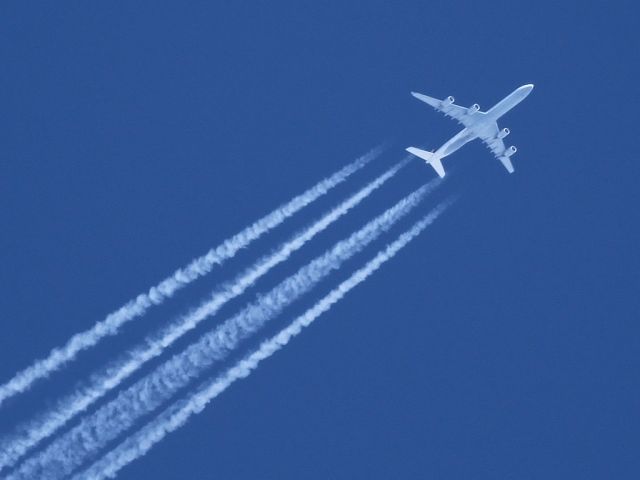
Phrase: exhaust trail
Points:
(177, 414)
(137, 307)
(30, 434)
(93, 433)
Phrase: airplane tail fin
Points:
(429, 157)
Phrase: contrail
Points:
(24, 379)
(93, 433)
(177, 414)
(29, 435)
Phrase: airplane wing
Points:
(494, 143)
(463, 115)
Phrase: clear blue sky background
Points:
(503, 343)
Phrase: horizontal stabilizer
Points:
(429, 157)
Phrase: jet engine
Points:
(448, 101)
(510, 151)
(503, 133)
(473, 108)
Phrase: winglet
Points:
(507, 163)
(434, 102)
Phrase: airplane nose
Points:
(525, 90)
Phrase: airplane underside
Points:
(478, 124)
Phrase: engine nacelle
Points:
(510, 151)
(448, 101)
(503, 133)
(473, 109)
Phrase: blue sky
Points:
(503, 343)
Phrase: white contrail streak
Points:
(29, 435)
(94, 432)
(177, 414)
(24, 379)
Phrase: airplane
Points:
(477, 124)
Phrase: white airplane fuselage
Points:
(483, 121)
